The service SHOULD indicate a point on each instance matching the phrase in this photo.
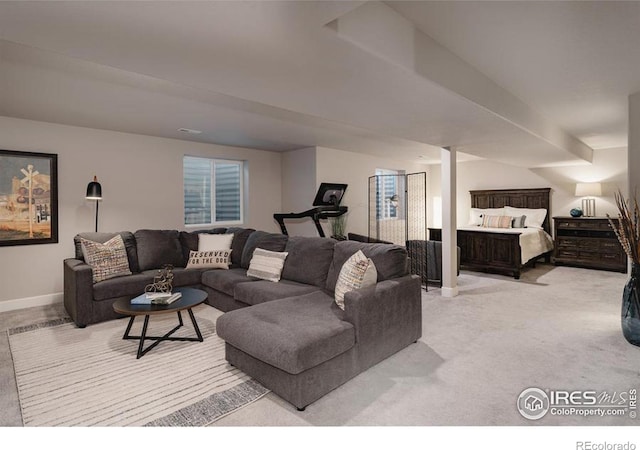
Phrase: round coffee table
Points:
(190, 297)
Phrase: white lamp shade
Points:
(588, 190)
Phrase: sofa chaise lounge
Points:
(289, 335)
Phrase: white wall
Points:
(141, 178)
(609, 167)
(338, 166)
(299, 189)
(634, 144)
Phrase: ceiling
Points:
(531, 84)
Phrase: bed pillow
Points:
(535, 217)
(266, 265)
(475, 215)
(357, 272)
(212, 242)
(496, 221)
(518, 222)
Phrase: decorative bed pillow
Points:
(357, 272)
(535, 217)
(518, 222)
(496, 221)
(266, 265)
(213, 242)
(476, 214)
(108, 260)
(210, 259)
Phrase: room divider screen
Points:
(398, 207)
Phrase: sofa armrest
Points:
(386, 316)
(78, 291)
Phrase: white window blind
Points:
(213, 191)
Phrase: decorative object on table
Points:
(576, 212)
(628, 233)
(156, 298)
(338, 227)
(163, 281)
(398, 206)
(28, 198)
(588, 191)
(94, 192)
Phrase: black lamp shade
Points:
(94, 190)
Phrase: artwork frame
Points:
(28, 198)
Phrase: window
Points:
(389, 193)
(213, 191)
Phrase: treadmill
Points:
(326, 205)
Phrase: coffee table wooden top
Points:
(190, 297)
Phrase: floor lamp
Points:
(94, 192)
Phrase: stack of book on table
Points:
(156, 298)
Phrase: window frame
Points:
(212, 162)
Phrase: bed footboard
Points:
(487, 251)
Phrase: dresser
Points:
(587, 242)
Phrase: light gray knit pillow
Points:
(266, 265)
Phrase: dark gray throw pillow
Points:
(157, 248)
(309, 259)
(240, 236)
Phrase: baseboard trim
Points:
(29, 302)
(449, 291)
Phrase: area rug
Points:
(68, 376)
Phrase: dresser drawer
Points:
(566, 253)
(612, 257)
(588, 242)
(567, 242)
(611, 246)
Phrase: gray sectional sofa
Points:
(290, 336)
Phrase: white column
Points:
(449, 223)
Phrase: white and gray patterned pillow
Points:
(108, 260)
(357, 272)
(266, 265)
(213, 259)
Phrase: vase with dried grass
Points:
(627, 230)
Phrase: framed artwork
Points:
(28, 198)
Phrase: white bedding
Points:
(533, 241)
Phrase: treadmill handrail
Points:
(317, 213)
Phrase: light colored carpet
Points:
(90, 377)
(556, 328)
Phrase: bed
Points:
(505, 250)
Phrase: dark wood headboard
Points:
(518, 198)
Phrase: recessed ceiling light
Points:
(189, 131)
